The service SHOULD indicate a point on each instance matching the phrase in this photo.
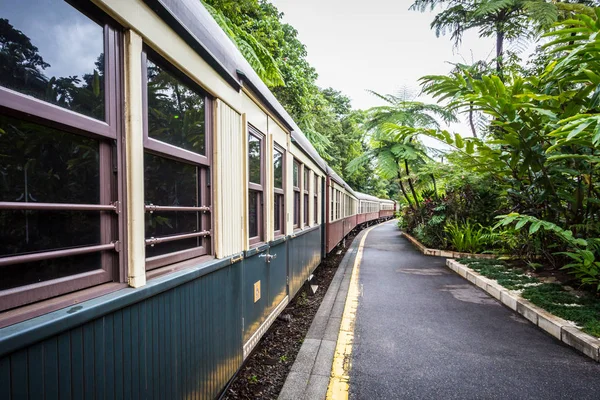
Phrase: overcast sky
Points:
(379, 45)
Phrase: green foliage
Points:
(582, 309)
(469, 237)
(506, 20)
(510, 278)
(583, 253)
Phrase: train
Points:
(159, 207)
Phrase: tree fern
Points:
(258, 56)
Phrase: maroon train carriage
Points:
(341, 209)
(387, 209)
(368, 209)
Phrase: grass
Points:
(584, 309)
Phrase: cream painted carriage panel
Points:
(229, 173)
(254, 114)
(289, 189)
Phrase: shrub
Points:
(468, 237)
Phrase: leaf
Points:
(521, 224)
(592, 76)
(534, 227)
(458, 141)
(470, 147)
(579, 129)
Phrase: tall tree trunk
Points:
(471, 120)
(499, 52)
(435, 193)
(410, 184)
(410, 204)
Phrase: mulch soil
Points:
(264, 372)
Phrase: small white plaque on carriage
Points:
(256, 291)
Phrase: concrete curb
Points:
(444, 253)
(561, 329)
(311, 371)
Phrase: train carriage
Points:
(368, 208)
(158, 218)
(387, 209)
(341, 210)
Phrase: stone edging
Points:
(309, 376)
(444, 253)
(561, 329)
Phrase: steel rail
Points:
(15, 205)
(25, 258)
(153, 241)
(153, 208)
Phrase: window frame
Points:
(331, 204)
(258, 189)
(203, 163)
(316, 199)
(305, 178)
(279, 192)
(111, 183)
(296, 221)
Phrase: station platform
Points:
(423, 332)
(396, 324)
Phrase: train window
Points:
(176, 169)
(60, 151)
(337, 204)
(305, 209)
(331, 204)
(296, 174)
(176, 112)
(61, 66)
(279, 195)
(305, 190)
(168, 182)
(295, 179)
(316, 200)
(255, 186)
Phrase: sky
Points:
(359, 45)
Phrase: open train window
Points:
(296, 184)
(60, 150)
(176, 164)
(255, 185)
(279, 192)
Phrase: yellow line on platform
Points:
(340, 370)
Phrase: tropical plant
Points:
(543, 132)
(257, 55)
(506, 20)
(394, 150)
(584, 254)
(469, 237)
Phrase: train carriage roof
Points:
(366, 197)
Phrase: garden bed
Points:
(264, 372)
(444, 253)
(569, 315)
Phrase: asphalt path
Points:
(423, 332)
